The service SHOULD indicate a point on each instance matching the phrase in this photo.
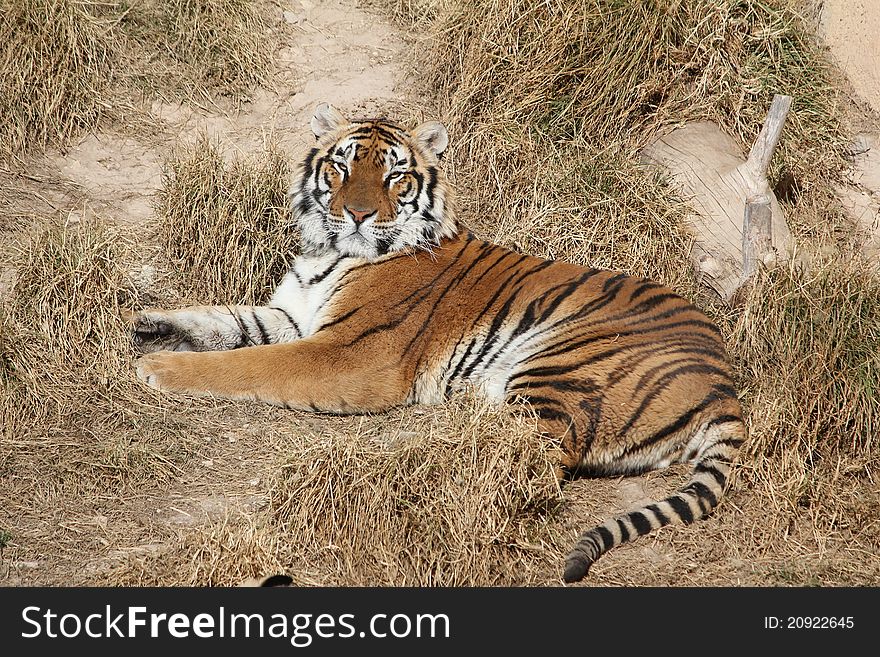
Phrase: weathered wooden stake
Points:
(757, 232)
(730, 196)
(765, 145)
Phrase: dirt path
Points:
(329, 50)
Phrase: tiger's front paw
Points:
(157, 370)
(154, 330)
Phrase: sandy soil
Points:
(851, 30)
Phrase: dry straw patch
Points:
(81, 441)
(66, 64)
(451, 495)
(70, 405)
(198, 49)
(226, 225)
(517, 76)
(56, 59)
(461, 494)
(808, 344)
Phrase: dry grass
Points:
(198, 49)
(56, 60)
(70, 405)
(223, 552)
(64, 63)
(808, 346)
(225, 226)
(455, 495)
(579, 203)
(611, 71)
(462, 494)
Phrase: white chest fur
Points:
(306, 291)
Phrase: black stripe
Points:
(657, 512)
(418, 295)
(720, 477)
(718, 392)
(723, 419)
(681, 508)
(500, 315)
(569, 345)
(460, 364)
(244, 331)
(263, 334)
(650, 351)
(431, 186)
(683, 364)
(546, 371)
(429, 316)
(289, 319)
(317, 278)
(624, 531)
(644, 285)
(702, 491)
(614, 281)
(519, 260)
(339, 319)
(567, 290)
(640, 522)
(607, 538)
(368, 128)
(659, 388)
(585, 387)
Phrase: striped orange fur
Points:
(392, 302)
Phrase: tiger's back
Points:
(393, 303)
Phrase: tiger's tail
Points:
(692, 502)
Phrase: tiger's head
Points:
(371, 187)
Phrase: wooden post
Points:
(757, 231)
(731, 198)
(765, 145)
(757, 234)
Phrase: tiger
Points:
(392, 300)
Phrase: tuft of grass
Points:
(808, 345)
(56, 61)
(66, 64)
(583, 204)
(5, 539)
(71, 410)
(198, 49)
(225, 225)
(609, 71)
(454, 495)
(226, 552)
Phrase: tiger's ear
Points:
(433, 136)
(327, 118)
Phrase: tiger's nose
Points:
(359, 216)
